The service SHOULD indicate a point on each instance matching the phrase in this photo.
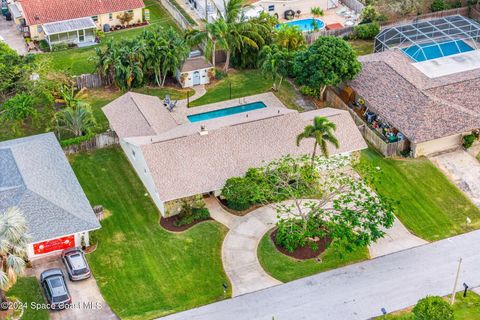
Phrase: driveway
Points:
(358, 291)
(12, 36)
(463, 169)
(86, 297)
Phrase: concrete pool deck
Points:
(449, 65)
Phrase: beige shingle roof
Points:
(196, 164)
(135, 114)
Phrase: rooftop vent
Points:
(195, 53)
(203, 130)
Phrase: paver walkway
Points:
(180, 111)
(463, 169)
(358, 291)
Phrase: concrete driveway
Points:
(86, 297)
(12, 36)
(463, 169)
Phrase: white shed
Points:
(195, 71)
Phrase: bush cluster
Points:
(291, 234)
(189, 213)
(468, 140)
(433, 308)
(366, 31)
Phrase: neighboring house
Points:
(195, 71)
(36, 177)
(177, 159)
(72, 21)
(424, 84)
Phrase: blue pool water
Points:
(431, 51)
(305, 24)
(226, 112)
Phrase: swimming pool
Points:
(226, 112)
(305, 24)
(429, 51)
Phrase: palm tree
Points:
(78, 120)
(322, 131)
(276, 62)
(290, 37)
(13, 243)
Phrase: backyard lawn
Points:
(77, 61)
(27, 290)
(286, 269)
(362, 47)
(245, 83)
(464, 309)
(142, 270)
(429, 205)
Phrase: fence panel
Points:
(354, 5)
(89, 81)
(176, 14)
(99, 141)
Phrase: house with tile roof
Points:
(177, 156)
(36, 177)
(72, 21)
(423, 83)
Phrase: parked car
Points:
(56, 290)
(76, 264)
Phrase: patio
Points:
(12, 36)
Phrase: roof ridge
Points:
(141, 111)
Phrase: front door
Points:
(81, 35)
(196, 78)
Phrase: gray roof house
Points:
(176, 158)
(36, 177)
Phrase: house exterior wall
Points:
(135, 156)
(188, 79)
(279, 6)
(77, 243)
(437, 145)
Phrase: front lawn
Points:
(77, 61)
(464, 309)
(27, 290)
(142, 270)
(286, 269)
(245, 83)
(429, 205)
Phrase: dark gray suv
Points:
(76, 264)
(55, 288)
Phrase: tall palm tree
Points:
(13, 243)
(78, 120)
(322, 131)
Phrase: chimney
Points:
(203, 130)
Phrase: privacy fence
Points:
(89, 81)
(177, 14)
(98, 141)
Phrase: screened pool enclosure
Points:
(431, 39)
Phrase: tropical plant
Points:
(367, 31)
(322, 131)
(275, 62)
(369, 14)
(13, 244)
(77, 121)
(329, 61)
(438, 5)
(317, 11)
(433, 308)
(290, 37)
(18, 108)
(125, 18)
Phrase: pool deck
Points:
(330, 16)
(449, 65)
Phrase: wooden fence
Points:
(89, 81)
(99, 141)
(370, 135)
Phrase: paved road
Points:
(358, 291)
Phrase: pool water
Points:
(305, 24)
(433, 51)
(226, 112)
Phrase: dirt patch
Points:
(303, 253)
(169, 224)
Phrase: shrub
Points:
(43, 45)
(308, 91)
(189, 214)
(76, 140)
(438, 5)
(366, 31)
(292, 235)
(369, 14)
(456, 4)
(433, 308)
(239, 193)
(468, 140)
(59, 47)
(220, 74)
(317, 11)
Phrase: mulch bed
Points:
(303, 253)
(168, 224)
(224, 205)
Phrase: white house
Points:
(176, 158)
(36, 177)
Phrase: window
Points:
(271, 7)
(110, 16)
(95, 18)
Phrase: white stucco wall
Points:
(140, 166)
(188, 83)
(437, 145)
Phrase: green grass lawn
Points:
(464, 309)
(245, 83)
(142, 270)
(77, 61)
(27, 290)
(429, 205)
(286, 269)
(362, 47)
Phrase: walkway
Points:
(463, 169)
(12, 36)
(179, 113)
(358, 291)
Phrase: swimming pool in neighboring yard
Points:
(305, 24)
(430, 51)
(226, 112)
